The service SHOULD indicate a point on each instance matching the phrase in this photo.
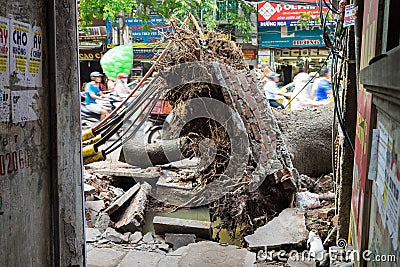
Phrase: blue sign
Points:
(290, 37)
(142, 35)
(287, 23)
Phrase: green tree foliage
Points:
(207, 11)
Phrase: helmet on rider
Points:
(96, 74)
(122, 76)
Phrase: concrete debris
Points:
(164, 247)
(92, 210)
(325, 213)
(179, 240)
(212, 254)
(122, 199)
(92, 234)
(113, 236)
(163, 225)
(88, 189)
(287, 229)
(148, 238)
(135, 237)
(133, 216)
(103, 222)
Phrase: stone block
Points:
(164, 225)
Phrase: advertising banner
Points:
(291, 37)
(272, 14)
(141, 35)
(4, 51)
(361, 158)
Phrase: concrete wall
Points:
(382, 79)
(41, 217)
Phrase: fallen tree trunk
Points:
(148, 155)
(308, 138)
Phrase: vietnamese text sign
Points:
(4, 51)
(288, 37)
(272, 14)
(5, 107)
(20, 48)
(349, 16)
(34, 74)
(141, 35)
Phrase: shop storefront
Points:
(92, 46)
(284, 45)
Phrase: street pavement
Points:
(206, 253)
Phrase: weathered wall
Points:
(381, 78)
(41, 218)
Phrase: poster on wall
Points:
(4, 51)
(23, 105)
(5, 101)
(20, 43)
(361, 159)
(34, 72)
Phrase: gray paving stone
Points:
(288, 228)
(141, 259)
(212, 254)
(104, 257)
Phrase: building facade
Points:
(286, 43)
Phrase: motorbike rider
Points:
(93, 93)
(121, 88)
(272, 91)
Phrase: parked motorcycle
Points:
(156, 127)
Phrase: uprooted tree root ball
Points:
(239, 208)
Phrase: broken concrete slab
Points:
(88, 189)
(148, 238)
(92, 234)
(135, 237)
(212, 254)
(164, 247)
(287, 229)
(140, 258)
(122, 199)
(133, 216)
(137, 174)
(113, 236)
(104, 257)
(179, 240)
(301, 263)
(103, 222)
(174, 193)
(163, 225)
(92, 210)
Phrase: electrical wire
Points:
(331, 7)
(118, 143)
